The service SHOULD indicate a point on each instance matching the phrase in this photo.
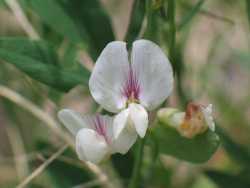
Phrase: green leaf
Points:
(84, 22)
(224, 180)
(54, 15)
(40, 50)
(235, 151)
(69, 57)
(91, 17)
(190, 15)
(196, 150)
(48, 74)
(136, 20)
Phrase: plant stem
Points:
(172, 31)
(137, 167)
(175, 58)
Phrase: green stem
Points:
(172, 31)
(137, 167)
(175, 58)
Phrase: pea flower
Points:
(131, 88)
(196, 120)
(94, 135)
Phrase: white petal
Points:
(176, 119)
(109, 75)
(207, 112)
(71, 120)
(139, 117)
(125, 140)
(90, 146)
(120, 121)
(154, 73)
(108, 121)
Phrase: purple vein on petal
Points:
(131, 87)
(100, 126)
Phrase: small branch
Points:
(22, 19)
(41, 168)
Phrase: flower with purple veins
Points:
(94, 135)
(131, 88)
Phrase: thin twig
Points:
(22, 19)
(41, 168)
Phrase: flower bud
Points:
(196, 120)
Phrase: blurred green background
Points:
(47, 50)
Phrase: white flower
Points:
(196, 120)
(94, 135)
(131, 87)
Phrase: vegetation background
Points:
(47, 50)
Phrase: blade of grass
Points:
(136, 21)
(190, 15)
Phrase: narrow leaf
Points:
(40, 50)
(136, 20)
(48, 74)
(91, 18)
(53, 14)
(190, 15)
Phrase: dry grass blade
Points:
(22, 19)
(41, 168)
